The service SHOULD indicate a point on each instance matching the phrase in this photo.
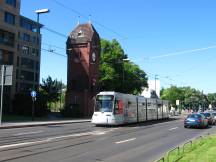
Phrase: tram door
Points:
(126, 107)
(141, 109)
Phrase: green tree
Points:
(212, 99)
(172, 94)
(117, 74)
(51, 89)
(189, 97)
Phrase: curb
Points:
(21, 125)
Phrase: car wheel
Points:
(185, 126)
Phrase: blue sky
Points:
(174, 39)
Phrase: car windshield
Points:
(194, 116)
(104, 103)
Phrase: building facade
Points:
(83, 50)
(19, 46)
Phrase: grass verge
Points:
(203, 149)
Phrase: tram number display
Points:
(105, 97)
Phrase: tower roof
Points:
(83, 33)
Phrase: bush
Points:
(72, 110)
(22, 104)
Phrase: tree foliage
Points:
(117, 73)
(189, 97)
(212, 99)
(51, 89)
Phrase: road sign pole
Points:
(33, 95)
(33, 108)
(2, 91)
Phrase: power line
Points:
(183, 52)
(55, 32)
(191, 51)
(87, 17)
(194, 67)
(51, 51)
(51, 45)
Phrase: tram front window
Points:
(104, 103)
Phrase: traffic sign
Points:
(33, 94)
(177, 102)
(7, 76)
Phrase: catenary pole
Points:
(2, 91)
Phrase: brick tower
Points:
(83, 51)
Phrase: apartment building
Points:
(19, 46)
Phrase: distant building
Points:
(83, 50)
(19, 47)
(150, 91)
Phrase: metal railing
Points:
(171, 151)
(179, 151)
(184, 146)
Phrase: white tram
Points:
(113, 108)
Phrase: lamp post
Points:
(123, 60)
(38, 12)
(156, 84)
(33, 93)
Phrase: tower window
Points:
(80, 34)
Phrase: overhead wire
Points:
(183, 52)
(51, 51)
(51, 45)
(55, 32)
(87, 17)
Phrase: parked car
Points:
(210, 117)
(196, 120)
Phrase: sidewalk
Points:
(8, 125)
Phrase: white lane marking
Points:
(27, 133)
(125, 140)
(23, 144)
(173, 128)
(57, 137)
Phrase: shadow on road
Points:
(151, 122)
(145, 123)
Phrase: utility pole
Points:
(123, 75)
(38, 41)
(156, 85)
(2, 90)
(60, 94)
(202, 101)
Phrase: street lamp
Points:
(155, 84)
(38, 12)
(124, 60)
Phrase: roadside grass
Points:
(203, 149)
(202, 153)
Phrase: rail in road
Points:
(87, 143)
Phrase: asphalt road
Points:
(83, 142)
